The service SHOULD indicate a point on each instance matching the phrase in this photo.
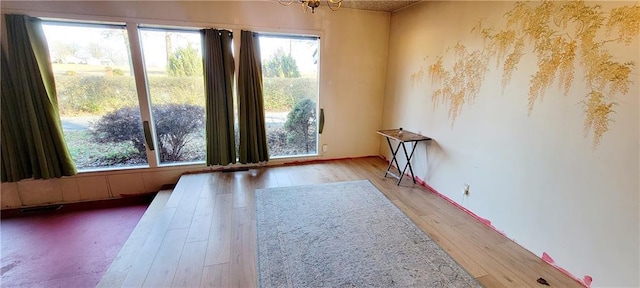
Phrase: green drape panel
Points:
(218, 73)
(253, 136)
(31, 128)
(15, 160)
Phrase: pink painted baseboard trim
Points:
(545, 257)
(586, 281)
(454, 203)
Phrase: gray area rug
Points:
(345, 234)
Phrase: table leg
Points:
(408, 156)
(393, 157)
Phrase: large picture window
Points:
(99, 103)
(97, 97)
(290, 79)
(173, 66)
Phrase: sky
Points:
(111, 44)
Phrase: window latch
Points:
(147, 135)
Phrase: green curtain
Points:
(32, 141)
(253, 136)
(15, 161)
(218, 73)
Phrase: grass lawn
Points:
(87, 153)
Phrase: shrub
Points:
(122, 125)
(120, 156)
(281, 94)
(281, 64)
(181, 90)
(94, 94)
(276, 140)
(185, 61)
(87, 153)
(300, 125)
(99, 94)
(175, 126)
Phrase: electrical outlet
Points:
(466, 190)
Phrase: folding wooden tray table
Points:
(402, 137)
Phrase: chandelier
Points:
(313, 4)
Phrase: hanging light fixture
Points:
(334, 5)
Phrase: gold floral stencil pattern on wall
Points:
(559, 34)
(462, 82)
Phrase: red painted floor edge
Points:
(69, 247)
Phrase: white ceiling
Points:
(375, 5)
(388, 6)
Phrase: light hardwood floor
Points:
(203, 233)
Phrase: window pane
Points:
(173, 63)
(290, 78)
(97, 96)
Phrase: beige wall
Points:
(535, 176)
(353, 69)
